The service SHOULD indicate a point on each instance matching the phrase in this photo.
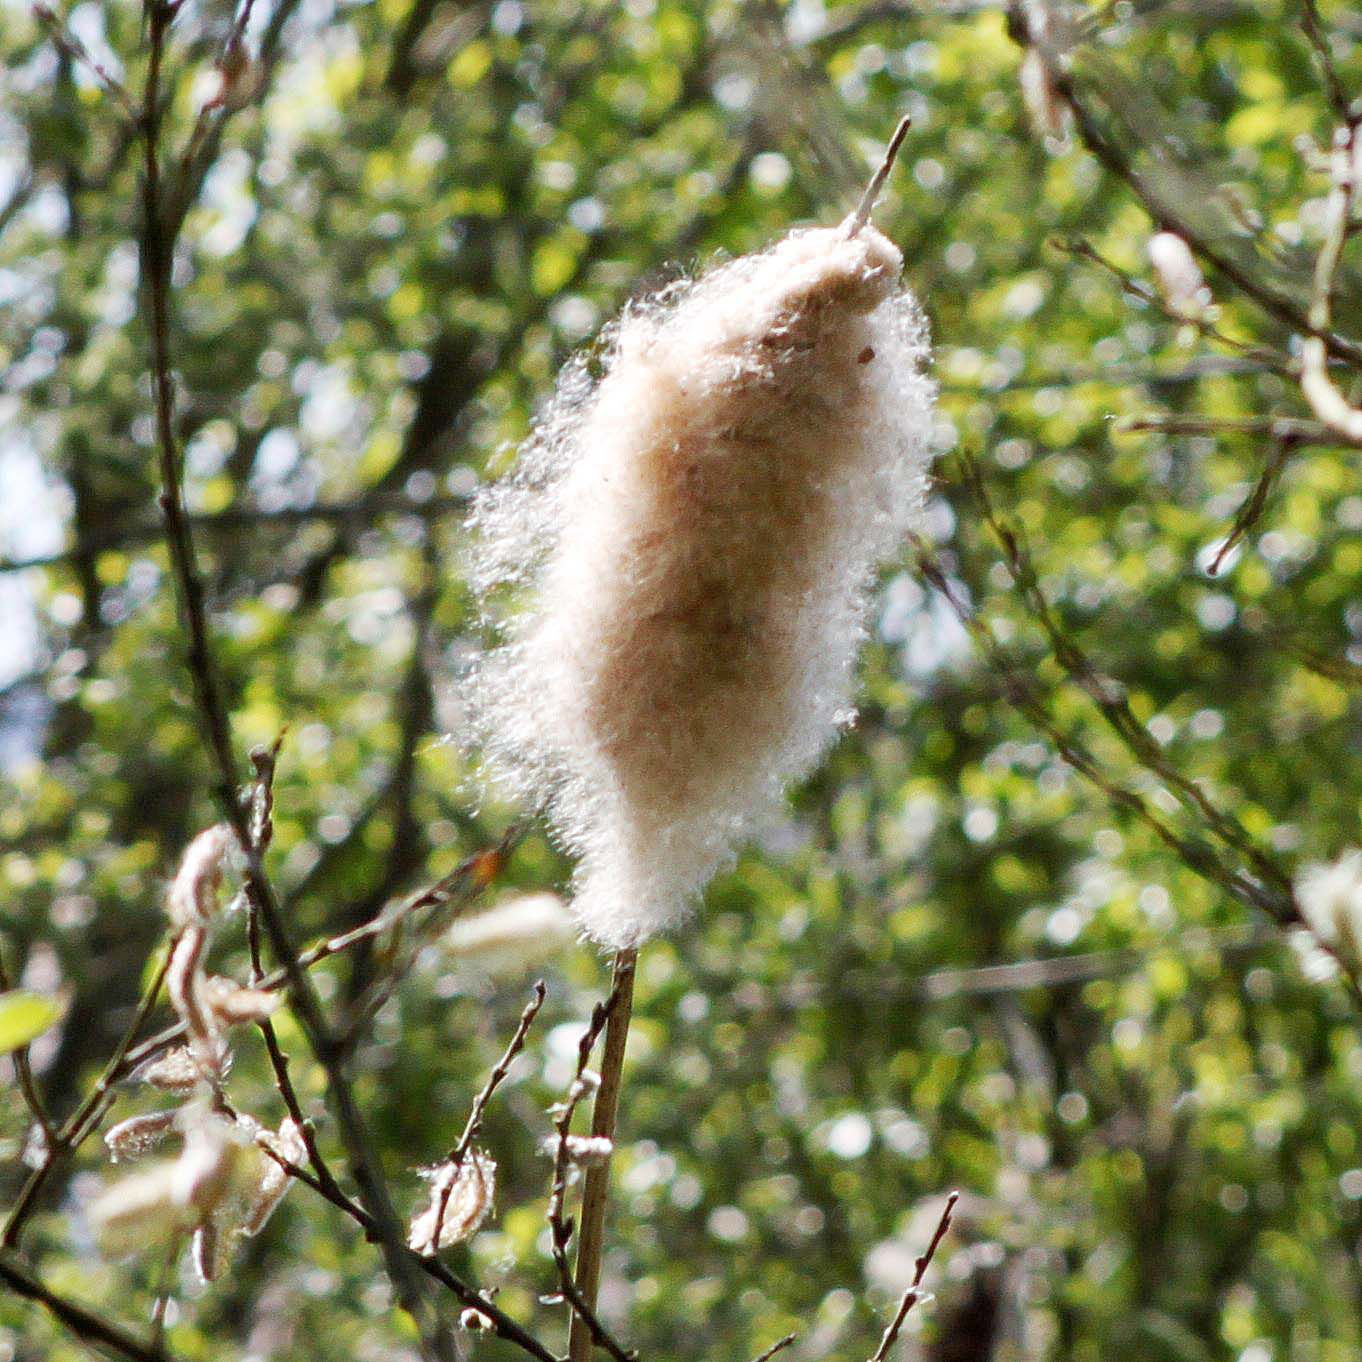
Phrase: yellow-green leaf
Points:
(24, 1016)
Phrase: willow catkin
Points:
(678, 567)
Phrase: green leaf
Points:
(24, 1016)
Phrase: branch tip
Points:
(872, 190)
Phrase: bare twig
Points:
(1322, 664)
(1061, 971)
(914, 1292)
(1137, 288)
(90, 1327)
(872, 190)
(1254, 505)
(471, 875)
(603, 1112)
(1283, 428)
(265, 759)
(1020, 690)
(1111, 703)
(498, 1074)
(1313, 25)
(1287, 434)
(778, 1346)
(1118, 163)
(67, 43)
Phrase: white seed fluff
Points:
(677, 569)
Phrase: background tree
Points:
(1032, 930)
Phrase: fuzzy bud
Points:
(138, 1135)
(210, 1250)
(255, 1187)
(177, 1071)
(274, 1180)
(137, 1212)
(586, 1084)
(233, 1005)
(184, 983)
(691, 539)
(203, 1172)
(460, 1198)
(585, 1151)
(1044, 107)
(193, 894)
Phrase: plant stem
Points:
(590, 1241)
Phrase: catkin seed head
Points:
(677, 571)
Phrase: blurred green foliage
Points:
(420, 211)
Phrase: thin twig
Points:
(1254, 505)
(1137, 288)
(1019, 688)
(502, 1324)
(1115, 160)
(361, 511)
(1285, 428)
(1110, 699)
(1143, 375)
(561, 1227)
(914, 1292)
(873, 190)
(590, 1242)
(498, 1074)
(90, 1327)
(778, 1346)
(265, 760)
(67, 43)
(1313, 25)
(1287, 434)
(472, 875)
(1061, 971)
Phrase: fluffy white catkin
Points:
(679, 565)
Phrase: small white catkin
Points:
(677, 570)
(518, 933)
(1177, 274)
(461, 1196)
(1330, 898)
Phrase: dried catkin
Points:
(677, 569)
